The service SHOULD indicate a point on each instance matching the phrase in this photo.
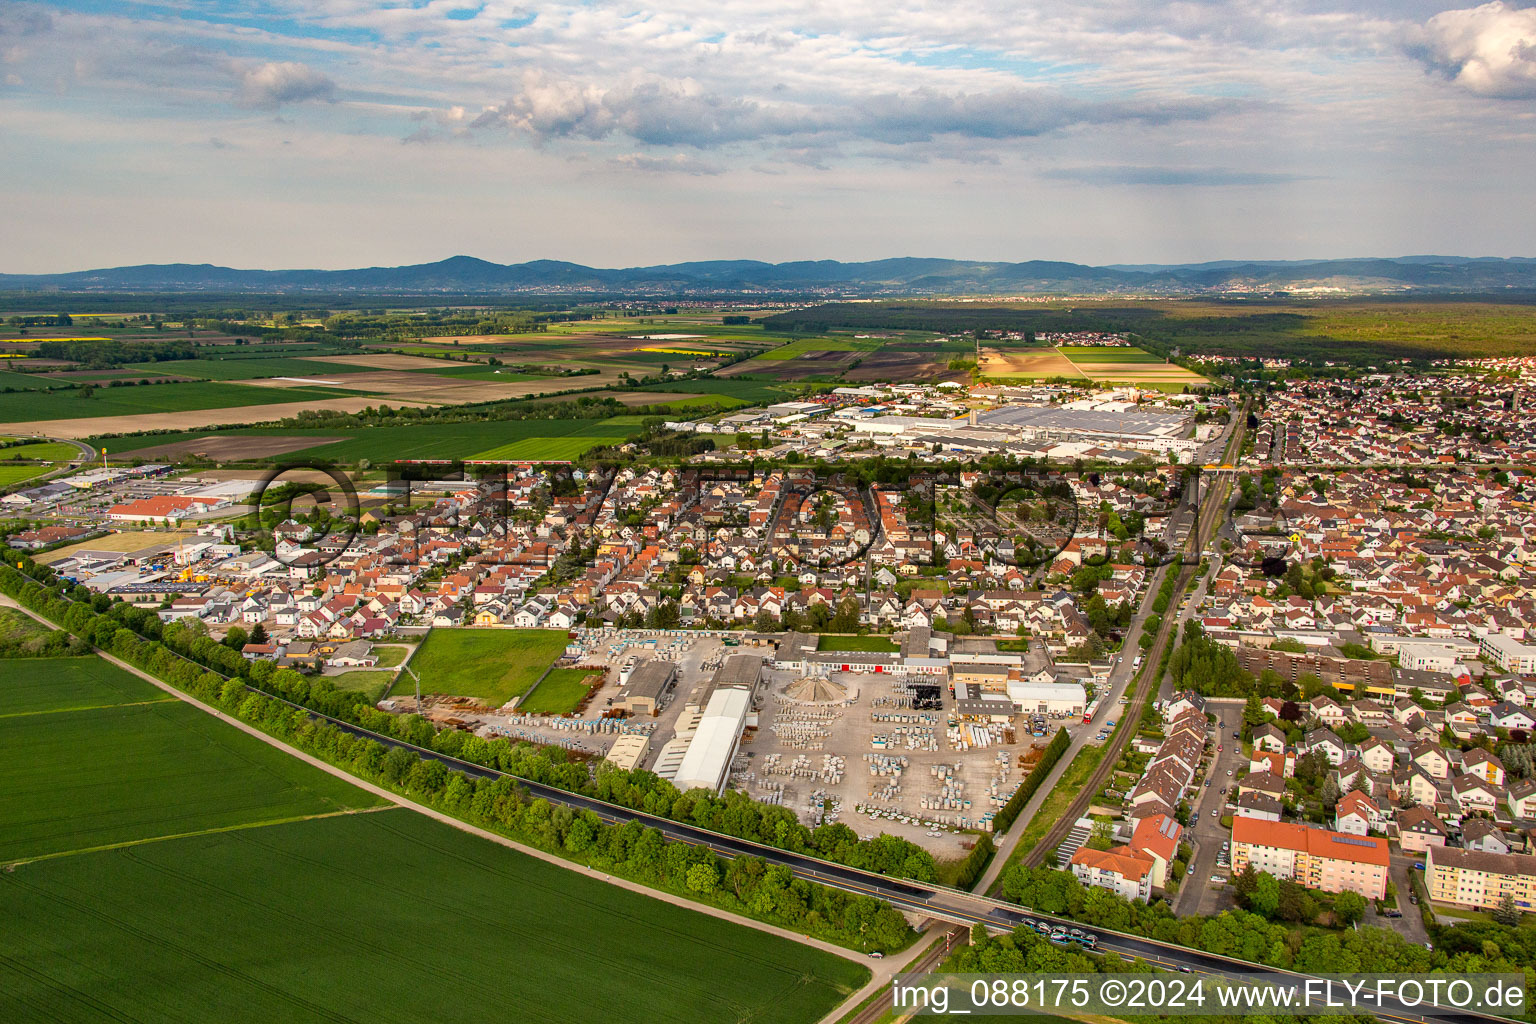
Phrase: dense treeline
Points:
(21, 637)
(1314, 333)
(179, 652)
(1252, 936)
(975, 862)
(1025, 952)
(1208, 667)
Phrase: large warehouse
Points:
(1124, 423)
(729, 700)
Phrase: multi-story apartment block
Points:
(1472, 878)
(1315, 857)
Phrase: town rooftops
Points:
(1121, 860)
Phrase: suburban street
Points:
(1198, 894)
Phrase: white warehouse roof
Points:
(709, 752)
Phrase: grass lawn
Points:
(76, 780)
(374, 682)
(558, 693)
(307, 921)
(390, 655)
(828, 642)
(133, 400)
(492, 664)
(1056, 804)
(34, 685)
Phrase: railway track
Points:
(1210, 512)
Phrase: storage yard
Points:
(868, 758)
(876, 749)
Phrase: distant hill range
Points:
(465, 275)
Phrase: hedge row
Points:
(1036, 778)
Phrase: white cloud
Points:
(1488, 50)
(269, 86)
(677, 163)
(680, 112)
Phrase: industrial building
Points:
(727, 703)
(628, 751)
(642, 692)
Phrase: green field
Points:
(138, 399)
(801, 346)
(35, 685)
(43, 451)
(557, 693)
(872, 644)
(493, 664)
(79, 780)
(535, 439)
(560, 439)
(1107, 354)
(220, 896)
(310, 921)
(16, 474)
(25, 381)
(248, 368)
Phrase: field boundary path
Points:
(879, 969)
(238, 827)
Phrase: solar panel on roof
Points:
(1354, 841)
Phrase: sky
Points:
(349, 133)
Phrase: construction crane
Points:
(417, 678)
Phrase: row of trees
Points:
(179, 652)
(20, 637)
(746, 885)
(1025, 952)
(1250, 935)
